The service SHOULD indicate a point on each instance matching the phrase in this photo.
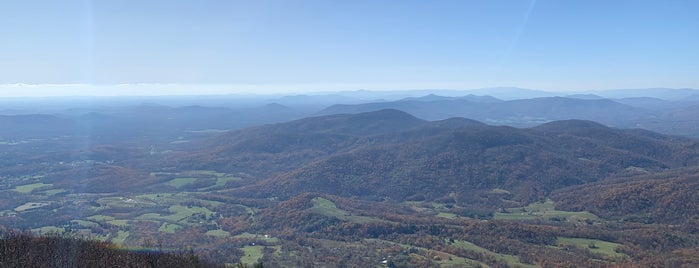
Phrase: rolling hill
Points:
(669, 198)
(389, 154)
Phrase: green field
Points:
(120, 238)
(31, 205)
(447, 215)
(251, 254)
(28, 188)
(155, 197)
(180, 182)
(54, 191)
(119, 222)
(326, 207)
(100, 218)
(188, 177)
(509, 259)
(593, 245)
(86, 224)
(267, 238)
(543, 210)
(119, 202)
(48, 230)
(203, 172)
(181, 212)
(218, 233)
(171, 198)
(445, 259)
(169, 228)
(220, 182)
(440, 209)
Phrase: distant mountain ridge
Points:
(150, 121)
(524, 112)
(660, 93)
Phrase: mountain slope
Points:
(666, 198)
(390, 154)
(465, 165)
(269, 149)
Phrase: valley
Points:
(376, 189)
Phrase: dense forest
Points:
(18, 249)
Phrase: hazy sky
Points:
(294, 45)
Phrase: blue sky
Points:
(295, 45)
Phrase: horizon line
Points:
(48, 90)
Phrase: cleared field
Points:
(86, 224)
(181, 212)
(120, 238)
(204, 172)
(54, 191)
(119, 222)
(509, 259)
(6, 213)
(444, 260)
(326, 207)
(593, 245)
(185, 178)
(442, 210)
(453, 261)
(169, 227)
(28, 188)
(48, 230)
(31, 205)
(179, 182)
(265, 238)
(100, 218)
(158, 199)
(207, 131)
(150, 216)
(155, 197)
(220, 182)
(546, 210)
(251, 254)
(218, 233)
(121, 202)
(447, 215)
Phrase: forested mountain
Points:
(365, 156)
(657, 198)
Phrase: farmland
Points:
(543, 210)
